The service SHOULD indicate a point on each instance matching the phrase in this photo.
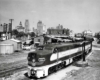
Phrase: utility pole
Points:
(11, 26)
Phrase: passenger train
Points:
(53, 57)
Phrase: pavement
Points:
(92, 71)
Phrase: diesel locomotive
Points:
(53, 57)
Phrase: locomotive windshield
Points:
(34, 59)
(31, 56)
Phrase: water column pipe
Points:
(84, 51)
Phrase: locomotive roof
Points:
(50, 47)
(61, 44)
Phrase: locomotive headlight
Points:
(33, 60)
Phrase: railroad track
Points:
(12, 70)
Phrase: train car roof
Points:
(60, 44)
(48, 48)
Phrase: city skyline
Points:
(77, 15)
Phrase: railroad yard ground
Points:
(91, 72)
(15, 60)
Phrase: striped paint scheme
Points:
(66, 53)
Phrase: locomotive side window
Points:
(76, 45)
(68, 47)
(63, 48)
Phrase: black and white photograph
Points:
(49, 39)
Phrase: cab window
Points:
(55, 50)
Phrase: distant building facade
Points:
(87, 33)
(35, 31)
(5, 31)
(51, 31)
(59, 27)
(79, 35)
(20, 28)
(26, 26)
(17, 45)
(40, 28)
(39, 39)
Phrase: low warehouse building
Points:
(6, 48)
(16, 43)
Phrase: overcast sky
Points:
(77, 15)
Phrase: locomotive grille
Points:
(33, 72)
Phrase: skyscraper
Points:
(26, 26)
(20, 27)
(40, 28)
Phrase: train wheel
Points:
(74, 59)
(64, 64)
(59, 66)
(56, 68)
(49, 71)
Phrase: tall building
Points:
(40, 28)
(57, 31)
(26, 26)
(20, 27)
(10, 27)
(35, 31)
(59, 27)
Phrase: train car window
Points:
(76, 45)
(67, 47)
(70, 47)
(64, 48)
(59, 49)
